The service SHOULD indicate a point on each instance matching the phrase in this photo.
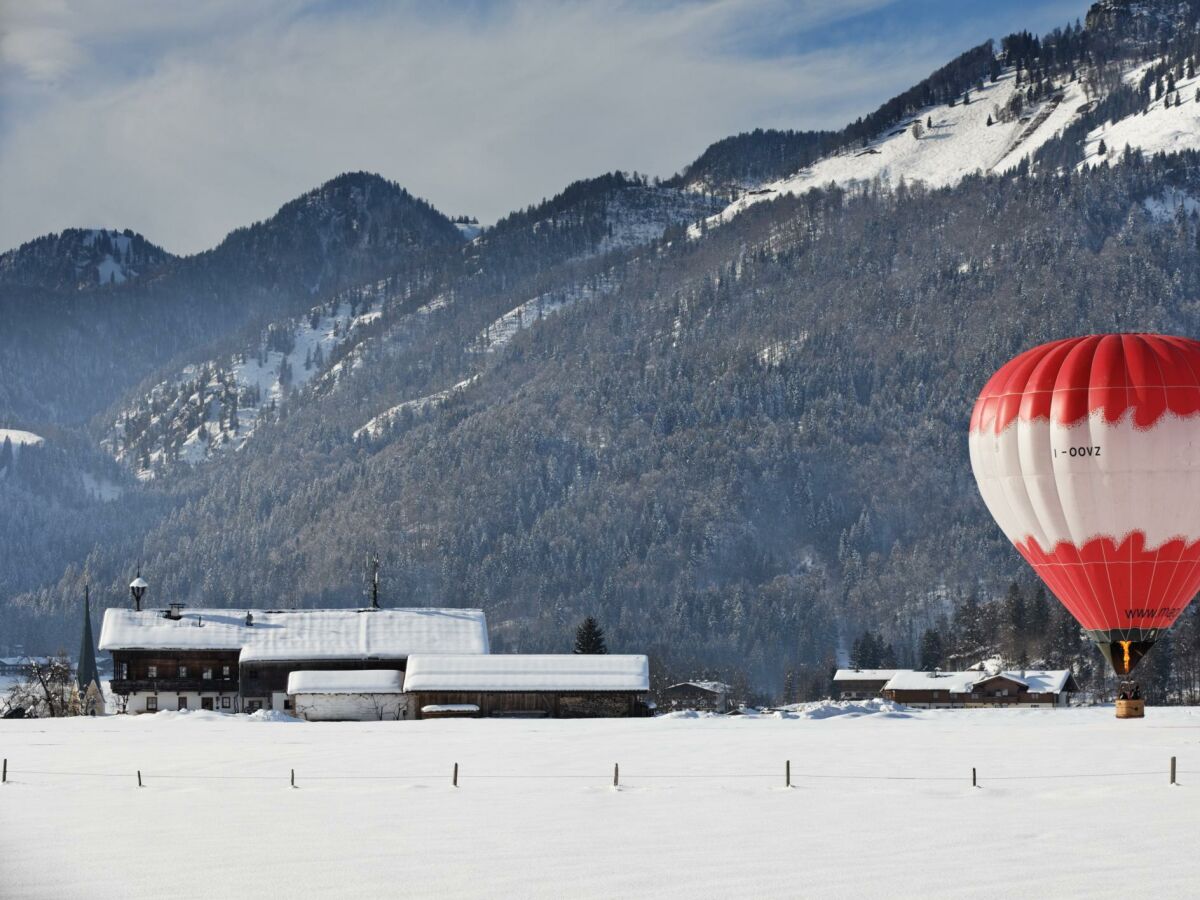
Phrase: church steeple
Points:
(86, 674)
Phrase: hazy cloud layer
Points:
(185, 120)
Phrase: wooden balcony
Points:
(167, 685)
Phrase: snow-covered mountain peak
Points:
(81, 258)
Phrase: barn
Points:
(362, 695)
(528, 686)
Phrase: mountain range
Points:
(723, 412)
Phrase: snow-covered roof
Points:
(1039, 681)
(298, 634)
(523, 672)
(864, 674)
(716, 687)
(449, 708)
(954, 682)
(360, 681)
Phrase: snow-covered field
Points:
(701, 810)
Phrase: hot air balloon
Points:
(1087, 453)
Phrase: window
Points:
(287, 704)
(122, 670)
(207, 674)
(183, 671)
(151, 671)
(224, 671)
(224, 703)
(151, 704)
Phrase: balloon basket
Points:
(1130, 704)
(1131, 709)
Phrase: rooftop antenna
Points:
(375, 583)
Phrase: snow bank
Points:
(270, 715)
(828, 709)
(871, 794)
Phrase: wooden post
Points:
(454, 781)
(293, 777)
(139, 777)
(4, 772)
(1172, 770)
(616, 774)
(787, 774)
(974, 779)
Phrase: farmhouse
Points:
(520, 685)
(342, 696)
(1029, 688)
(710, 696)
(860, 684)
(233, 661)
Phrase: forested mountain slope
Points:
(739, 449)
(66, 354)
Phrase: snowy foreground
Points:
(701, 810)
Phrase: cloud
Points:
(184, 121)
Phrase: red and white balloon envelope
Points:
(1087, 453)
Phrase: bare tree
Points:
(48, 689)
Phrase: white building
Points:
(356, 695)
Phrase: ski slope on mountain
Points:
(19, 438)
(881, 806)
(1163, 129)
(959, 143)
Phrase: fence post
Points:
(139, 771)
(787, 774)
(1172, 770)
(293, 777)
(454, 781)
(4, 772)
(616, 774)
(974, 778)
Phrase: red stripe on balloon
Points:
(1108, 585)
(1066, 381)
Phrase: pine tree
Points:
(932, 650)
(989, 120)
(589, 637)
(1103, 148)
(6, 454)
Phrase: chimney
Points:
(137, 588)
(175, 612)
(249, 619)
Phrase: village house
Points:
(527, 686)
(234, 661)
(860, 684)
(976, 688)
(706, 696)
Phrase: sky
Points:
(184, 120)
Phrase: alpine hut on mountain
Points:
(235, 661)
